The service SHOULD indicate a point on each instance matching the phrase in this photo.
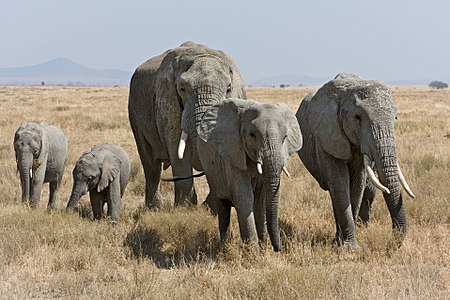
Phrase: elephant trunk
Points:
(77, 192)
(24, 167)
(386, 164)
(206, 97)
(272, 170)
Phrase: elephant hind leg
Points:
(54, 188)
(152, 171)
(365, 211)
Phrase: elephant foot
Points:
(188, 200)
(351, 245)
(155, 202)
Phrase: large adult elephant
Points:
(169, 94)
(244, 146)
(41, 154)
(348, 127)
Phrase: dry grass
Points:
(175, 253)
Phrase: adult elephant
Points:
(244, 146)
(41, 155)
(169, 94)
(348, 127)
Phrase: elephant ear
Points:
(323, 120)
(110, 170)
(220, 126)
(294, 139)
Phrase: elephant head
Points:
(31, 148)
(249, 134)
(94, 170)
(198, 77)
(350, 114)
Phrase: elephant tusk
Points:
(182, 144)
(31, 173)
(404, 183)
(259, 168)
(372, 176)
(285, 170)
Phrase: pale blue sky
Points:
(383, 39)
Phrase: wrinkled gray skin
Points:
(347, 118)
(41, 148)
(233, 137)
(170, 93)
(103, 170)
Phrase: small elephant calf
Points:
(103, 170)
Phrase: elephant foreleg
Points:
(184, 189)
(114, 200)
(224, 213)
(35, 189)
(97, 201)
(357, 184)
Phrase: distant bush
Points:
(438, 85)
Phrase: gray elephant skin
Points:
(348, 128)
(103, 170)
(41, 155)
(168, 96)
(244, 146)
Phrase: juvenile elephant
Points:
(41, 154)
(169, 94)
(103, 170)
(348, 125)
(243, 147)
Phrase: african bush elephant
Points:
(103, 170)
(169, 94)
(348, 125)
(41, 154)
(243, 147)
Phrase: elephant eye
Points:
(229, 88)
(358, 117)
(182, 89)
(35, 152)
(90, 177)
(253, 135)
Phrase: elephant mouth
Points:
(371, 174)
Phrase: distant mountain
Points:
(62, 71)
(291, 79)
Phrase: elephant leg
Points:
(114, 201)
(54, 189)
(357, 185)
(365, 211)
(260, 213)
(97, 202)
(152, 171)
(184, 189)
(211, 203)
(224, 213)
(35, 189)
(339, 187)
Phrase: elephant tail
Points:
(177, 178)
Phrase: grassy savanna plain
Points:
(175, 252)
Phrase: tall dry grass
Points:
(175, 252)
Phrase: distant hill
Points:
(291, 79)
(62, 71)
(296, 80)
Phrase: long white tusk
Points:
(404, 183)
(182, 144)
(31, 173)
(285, 170)
(259, 168)
(372, 176)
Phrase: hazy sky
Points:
(383, 39)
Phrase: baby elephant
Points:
(41, 154)
(103, 171)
